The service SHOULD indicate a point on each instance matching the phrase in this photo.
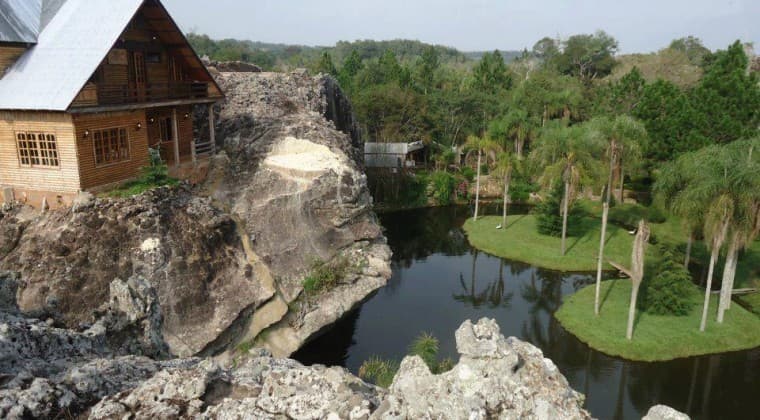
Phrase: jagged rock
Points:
(235, 66)
(184, 252)
(663, 412)
(495, 378)
(262, 387)
(291, 174)
(8, 289)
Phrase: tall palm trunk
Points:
(565, 206)
(605, 216)
(507, 181)
(637, 272)
(689, 245)
(621, 194)
(708, 286)
(477, 189)
(726, 289)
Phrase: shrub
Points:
(520, 190)
(442, 186)
(426, 346)
(153, 176)
(549, 214)
(326, 275)
(468, 173)
(667, 288)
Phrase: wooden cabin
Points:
(87, 87)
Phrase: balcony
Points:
(111, 95)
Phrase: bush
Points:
(668, 288)
(520, 190)
(549, 214)
(442, 187)
(325, 276)
(426, 346)
(468, 173)
(153, 176)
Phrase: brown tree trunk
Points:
(637, 272)
(605, 215)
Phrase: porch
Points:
(170, 131)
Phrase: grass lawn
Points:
(655, 338)
(751, 301)
(521, 241)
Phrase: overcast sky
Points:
(639, 25)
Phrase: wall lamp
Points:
(151, 120)
(86, 133)
(139, 126)
(187, 115)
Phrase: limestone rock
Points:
(663, 412)
(495, 378)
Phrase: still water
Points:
(439, 281)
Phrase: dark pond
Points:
(439, 281)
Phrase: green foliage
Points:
(668, 288)
(549, 214)
(467, 173)
(426, 346)
(326, 65)
(153, 176)
(693, 48)
(520, 191)
(326, 275)
(442, 185)
(234, 50)
(588, 56)
(491, 74)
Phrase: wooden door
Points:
(139, 75)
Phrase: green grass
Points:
(137, 187)
(521, 241)
(752, 302)
(655, 338)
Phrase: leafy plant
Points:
(668, 289)
(549, 214)
(442, 185)
(326, 275)
(153, 176)
(426, 346)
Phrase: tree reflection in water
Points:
(493, 295)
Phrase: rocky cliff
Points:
(203, 270)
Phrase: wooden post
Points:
(211, 129)
(175, 137)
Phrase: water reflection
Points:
(439, 281)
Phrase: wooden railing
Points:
(152, 92)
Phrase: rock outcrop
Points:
(199, 270)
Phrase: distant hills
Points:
(271, 55)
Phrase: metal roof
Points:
(68, 51)
(20, 20)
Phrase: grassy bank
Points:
(655, 338)
(751, 302)
(521, 241)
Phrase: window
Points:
(37, 150)
(153, 57)
(111, 146)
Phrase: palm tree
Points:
(621, 135)
(480, 145)
(745, 223)
(506, 164)
(565, 153)
(712, 186)
(636, 272)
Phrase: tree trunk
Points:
(708, 286)
(632, 309)
(565, 206)
(605, 215)
(477, 189)
(600, 262)
(689, 244)
(621, 198)
(732, 279)
(507, 181)
(726, 287)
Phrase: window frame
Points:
(42, 151)
(94, 133)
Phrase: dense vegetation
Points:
(571, 119)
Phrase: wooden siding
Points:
(63, 179)
(185, 126)
(8, 56)
(93, 175)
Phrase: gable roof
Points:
(68, 51)
(20, 20)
